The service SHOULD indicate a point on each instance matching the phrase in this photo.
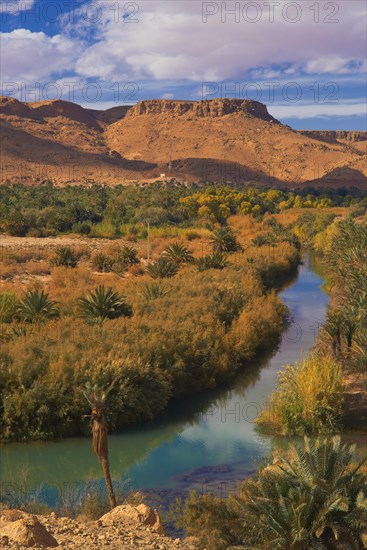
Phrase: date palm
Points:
(128, 255)
(314, 499)
(162, 268)
(224, 240)
(217, 260)
(36, 307)
(96, 397)
(64, 257)
(178, 254)
(101, 304)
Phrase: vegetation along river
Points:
(205, 443)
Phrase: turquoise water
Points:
(204, 442)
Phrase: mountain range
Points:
(228, 140)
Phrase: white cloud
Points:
(343, 109)
(33, 56)
(170, 41)
(334, 64)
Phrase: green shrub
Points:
(8, 308)
(82, 228)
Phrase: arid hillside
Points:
(218, 140)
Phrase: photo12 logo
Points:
(270, 12)
(74, 91)
(69, 11)
(272, 91)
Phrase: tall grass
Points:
(308, 398)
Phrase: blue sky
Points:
(306, 60)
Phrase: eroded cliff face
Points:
(331, 136)
(213, 108)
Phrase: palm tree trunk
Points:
(107, 477)
(100, 448)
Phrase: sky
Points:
(305, 60)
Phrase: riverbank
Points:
(126, 527)
(328, 392)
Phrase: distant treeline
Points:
(46, 210)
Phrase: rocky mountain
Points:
(217, 140)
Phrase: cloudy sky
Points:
(306, 60)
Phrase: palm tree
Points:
(97, 398)
(64, 257)
(261, 240)
(178, 254)
(314, 499)
(217, 260)
(102, 262)
(224, 240)
(162, 268)
(127, 255)
(101, 304)
(36, 307)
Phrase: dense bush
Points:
(187, 334)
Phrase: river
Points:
(207, 443)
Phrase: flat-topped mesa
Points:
(204, 108)
(332, 136)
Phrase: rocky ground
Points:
(126, 527)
